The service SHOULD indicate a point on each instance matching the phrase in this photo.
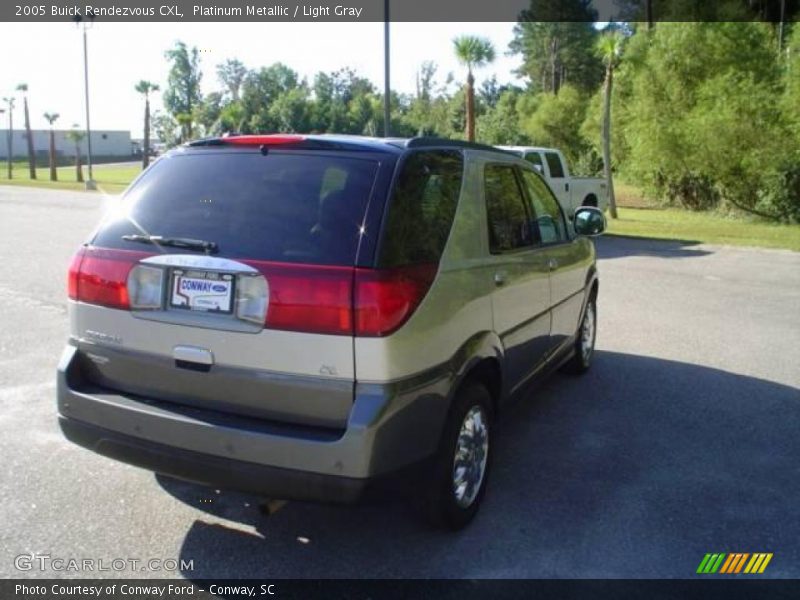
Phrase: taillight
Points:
(385, 299)
(342, 300)
(100, 276)
(309, 298)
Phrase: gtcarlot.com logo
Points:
(732, 563)
(48, 562)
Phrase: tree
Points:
(609, 47)
(23, 87)
(146, 88)
(232, 73)
(555, 120)
(52, 118)
(76, 136)
(182, 95)
(501, 123)
(555, 39)
(473, 52)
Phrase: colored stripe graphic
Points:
(732, 563)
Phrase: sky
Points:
(120, 54)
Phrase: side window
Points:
(535, 159)
(509, 224)
(422, 208)
(554, 164)
(548, 216)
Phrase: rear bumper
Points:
(272, 482)
(390, 427)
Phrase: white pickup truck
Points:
(571, 191)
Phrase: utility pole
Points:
(386, 85)
(90, 183)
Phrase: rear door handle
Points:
(500, 278)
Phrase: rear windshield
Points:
(288, 207)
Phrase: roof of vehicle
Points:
(339, 141)
(527, 149)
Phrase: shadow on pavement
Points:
(617, 246)
(636, 469)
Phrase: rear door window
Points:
(285, 207)
(554, 164)
(421, 208)
(508, 219)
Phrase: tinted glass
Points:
(509, 225)
(281, 207)
(547, 213)
(534, 158)
(422, 207)
(554, 164)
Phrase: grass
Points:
(111, 179)
(707, 228)
(640, 216)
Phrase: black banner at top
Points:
(399, 10)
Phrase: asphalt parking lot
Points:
(683, 439)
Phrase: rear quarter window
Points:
(284, 207)
(421, 208)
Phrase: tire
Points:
(445, 504)
(584, 341)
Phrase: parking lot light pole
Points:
(90, 183)
(386, 86)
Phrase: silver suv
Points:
(307, 316)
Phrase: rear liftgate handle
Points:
(193, 358)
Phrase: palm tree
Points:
(76, 136)
(473, 52)
(52, 118)
(23, 87)
(144, 88)
(609, 48)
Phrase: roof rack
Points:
(429, 141)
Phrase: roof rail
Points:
(428, 142)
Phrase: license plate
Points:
(202, 291)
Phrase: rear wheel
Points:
(584, 342)
(461, 469)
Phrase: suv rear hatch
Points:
(226, 279)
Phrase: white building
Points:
(104, 143)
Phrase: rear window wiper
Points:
(176, 242)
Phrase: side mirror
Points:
(589, 221)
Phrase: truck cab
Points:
(571, 191)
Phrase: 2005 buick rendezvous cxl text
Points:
(303, 316)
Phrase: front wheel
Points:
(584, 341)
(461, 470)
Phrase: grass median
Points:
(111, 179)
